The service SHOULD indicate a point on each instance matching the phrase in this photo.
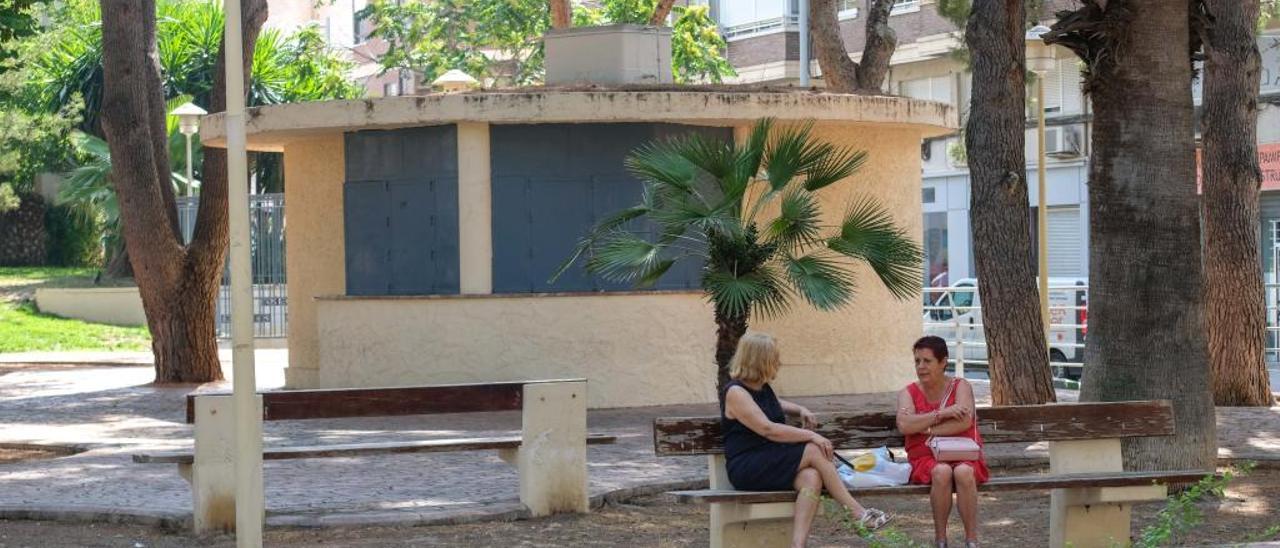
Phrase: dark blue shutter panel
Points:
(551, 184)
(401, 211)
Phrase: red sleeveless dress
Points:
(918, 452)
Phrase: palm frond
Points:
(797, 223)
(751, 154)
(830, 168)
(623, 256)
(821, 279)
(605, 226)
(868, 233)
(761, 291)
(663, 164)
(786, 155)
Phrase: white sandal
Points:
(874, 519)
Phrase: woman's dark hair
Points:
(934, 344)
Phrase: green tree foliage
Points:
(697, 47)
(501, 40)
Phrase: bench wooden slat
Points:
(363, 449)
(336, 403)
(1030, 423)
(1011, 483)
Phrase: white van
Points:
(956, 316)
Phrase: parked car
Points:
(956, 316)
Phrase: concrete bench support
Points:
(746, 525)
(1092, 516)
(553, 453)
(213, 474)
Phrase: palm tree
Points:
(751, 213)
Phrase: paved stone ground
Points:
(111, 412)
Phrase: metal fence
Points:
(955, 314)
(267, 250)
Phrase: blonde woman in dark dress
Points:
(763, 453)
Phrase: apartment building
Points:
(763, 38)
(345, 31)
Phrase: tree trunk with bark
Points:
(1235, 299)
(1146, 303)
(660, 12)
(994, 138)
(561, 14)
(841, 73)
(178, 283)
(729, 330)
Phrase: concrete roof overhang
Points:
(269, 128)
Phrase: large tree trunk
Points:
(660, 12)
(1235, 302)
(729, 330)
(1146, 307)
(841, 73)
(561, 14)
(178, 284)
(994, 138)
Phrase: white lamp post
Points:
(189, 123)
(1040, 60)
(245, 401)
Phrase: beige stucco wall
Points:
(633, 349)
(315, 259)
(109, 305)
(636, 349)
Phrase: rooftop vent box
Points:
(609, 55)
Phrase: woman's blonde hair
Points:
(756, 360)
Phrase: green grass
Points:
(23, 329)
(15, 276)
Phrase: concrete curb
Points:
(175, 521)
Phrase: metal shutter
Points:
(1065, 242)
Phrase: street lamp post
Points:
(246, 404)
(1040, 60)
(189, 123)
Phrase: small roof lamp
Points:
(189, 118)
(1040, 56)
(455, 81)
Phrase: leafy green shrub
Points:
(74, 239)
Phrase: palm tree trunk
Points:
(1146, 307)
(1235, 298)
(994, 138)
(729, 329)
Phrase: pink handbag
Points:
(953, 448)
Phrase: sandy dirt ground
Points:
(1248, 512)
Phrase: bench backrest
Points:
(1030, 423)
(335, 403)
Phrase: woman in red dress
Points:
(921, 415)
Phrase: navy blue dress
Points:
(754, 462)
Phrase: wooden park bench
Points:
(1091, 493)
(550, 453)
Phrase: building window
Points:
(847, 9)
(905, 6)
(391, 89)
(928, 195)
(935, 249)
(937, 88)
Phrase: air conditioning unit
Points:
(1062, 142)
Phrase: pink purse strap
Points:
(945, 396)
